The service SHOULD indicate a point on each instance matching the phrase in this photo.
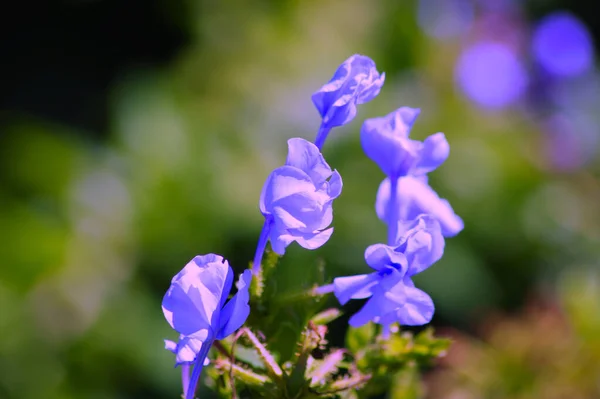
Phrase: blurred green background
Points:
(135, 135)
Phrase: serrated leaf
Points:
(325, 368)
(326, 316)
(246, 376)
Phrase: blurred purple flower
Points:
(195, 307)
(491, 74)
(297, 198)
(385, 140)
(414, 197)
(445, 18)
(393, 297)
(356, 81)
(562, 45)
(570, 140)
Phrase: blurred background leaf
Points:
(136, 135)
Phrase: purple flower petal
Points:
(236, 311)
(415, 197)
(354, 287)
(355, 81)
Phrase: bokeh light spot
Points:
(562, 45)
(490, 74)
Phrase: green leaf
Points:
(359, 338)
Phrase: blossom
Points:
(385, 140)
(414, 197)
(406, 162)
(196, 306)
(393, 297)
(297, 198)
(356, 81)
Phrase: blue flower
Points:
(385, 140)
(297, 198)
(196, 306)
(393, 297)
(414, 197)
(356, 81)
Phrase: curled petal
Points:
(280, 241)
(370, 91)
(371, 311)
(354, 287)
(303, 211)
(414, 307)
(283, 182)
(236, 311)
(170, 345)
(304, 155)
(402, 303)
(355, 81)
(435, 151)
(421, 241)
(381, 256)
(187, 349)
(312, 240)
(414, 198)
(334, 186)
(385, 140)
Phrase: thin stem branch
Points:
(198, 364)
(185, 377)
(261, 245)
(321, 136)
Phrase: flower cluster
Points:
(297, 204)
(417, 220)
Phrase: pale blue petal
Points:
(356, 80)
(304, 210)
(279, 240)
(354, 287)
(170, 345)
(334, 187)
(187, 350)
(371, 91)
(422, 242)
(262, 206)
(415, 307)
(381, 256)
(194, 299)
(385, 140)
(285, 181)
(421, 198)
(434, 152)
(326, 217)
(416, 197)
(369, 312)
(304, 155)
(236, 311)
(408, 116)
(312, 240)
(182, 313)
